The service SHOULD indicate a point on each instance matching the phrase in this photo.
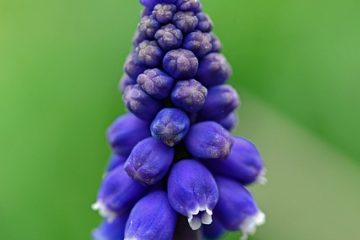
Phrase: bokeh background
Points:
(296, 65)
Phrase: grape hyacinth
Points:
(176, 171)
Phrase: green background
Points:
(296, 65)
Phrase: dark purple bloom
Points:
(215, 43)
(199, 43)
(189, 95)
(185, 21)
(205, 23)
(192, 192)
(208, 140)
(181, 64)
(115, 161)
(151, 218)
(132, 67)
(148, 53)
(149, 161)
(149, 4)
(118, 193)
(189, 5)
(111, 230)
(147, 27)
(213, 70)
(220, 102)
(214, 230)
(125, 132)
(169, 37)
(156, 83)
(164, 13)
(244, 163)
(229, 122)
(236, 209)
(140, 103)
(126, 81)
(170, 126)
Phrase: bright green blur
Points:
(60, 61)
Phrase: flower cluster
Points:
(173, 154)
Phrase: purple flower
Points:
(220, 102)
(117, 194)
(192, 192)
(170, 126)
(213, 70)
(111, 230)
(125, 132)
(215, 43)
(169, 37)
(149, 161)
(148, 27)
(181, 64)
(185, 21)
(189, 95)
(214, 230)
(126, 81)
(132, 67)
(148, 53)
(156, 83)
(151, 218)
(189, 5)
(244, 163)
(199, 43)
(229, 122)
(140, 103)
(115, 161)
(208, 140)
(236, 209)
(205, 23)
(151, 3)
(164, 13)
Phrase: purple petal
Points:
(185, 21)
(169, 37)
(229, 122)
(213, 70)
(148, 53)
(181, 64)
(114, 161)
(156, 83)
(111, 231)
(164, 13)
(199, 43)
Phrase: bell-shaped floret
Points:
(132, 67)
(229, 122)
(164, 13)
(126, 81)
(199, 43)
(111, 230)
(181, 64)
(148, 53)
(169, 37)
(189, 5)
(213, 70)
(114, 161)
(149, 4)
(185, 21)
(214, 230)
(156, 83)
(205, 23)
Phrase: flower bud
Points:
(236, 209)
(205, 23)
(215, 43)
(115, 161)
(192, 192)
(156, 83)
(151, 218)
(229, 122)
(169, 37)
(149, 161)
(220, 102)
(147, 27)
(133, 68)
(111, 231)
(170, 126)
(189, 5)
(208, 140)
(199, 43)
(164, 13)
(185, 21)
(118, 193)
(140, 103)
(180, 64)
(213, 231)
(125, 132)
(126, 81)
(213, 70)
(189, 95)
(243, 164)
(148, 53)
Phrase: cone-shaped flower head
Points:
(149, 161)
(192, 192)
(151, 218)
(208, 140)
(236, 209)
(111, 230)
(117, 194)
(170, 126)
(126, 132)
(243, 164)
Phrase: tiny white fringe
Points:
(104, 211)
(196, 221)
(248, 227)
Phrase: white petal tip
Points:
(248, 227)
(261, 179)
(104, 211)
(199, 216)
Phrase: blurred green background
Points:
(296, 64)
